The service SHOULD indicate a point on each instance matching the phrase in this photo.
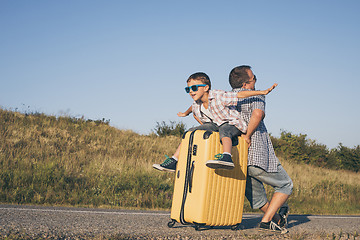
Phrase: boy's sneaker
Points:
(284, 213)
(272, 226)
(222, 161)
(168, 165)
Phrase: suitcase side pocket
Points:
(187, 178)
(191, 174)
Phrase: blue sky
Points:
(128, 61)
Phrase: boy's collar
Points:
(211, 95)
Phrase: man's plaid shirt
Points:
(222, 106)
(261, 151)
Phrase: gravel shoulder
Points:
(29, 222)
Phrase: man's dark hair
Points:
(203, 77)
(238, 76)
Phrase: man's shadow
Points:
(293, 220)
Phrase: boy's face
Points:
(197, 95)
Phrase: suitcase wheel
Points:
(198, 226)
(235, 227)
(171, 223)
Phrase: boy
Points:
(216, 109)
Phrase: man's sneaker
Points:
(284, 213)
(272, 226)
(168, 165)
(222, 161)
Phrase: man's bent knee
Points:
(286, 188)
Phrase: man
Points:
(263, 165)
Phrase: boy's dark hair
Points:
(238, 76)
(203, 77)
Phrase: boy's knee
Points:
(229, 131)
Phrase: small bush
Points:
(172, 129)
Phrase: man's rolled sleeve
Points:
(258, 103)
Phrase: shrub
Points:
(348, 159)
(300, 149)
(175, 129)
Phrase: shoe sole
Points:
(214, 164)
(282, 231)
(160, 168)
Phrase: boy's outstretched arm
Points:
(245, 94)
(186, 113)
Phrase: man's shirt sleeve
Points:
(258, 102)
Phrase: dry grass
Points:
(67, 161)
(324, 191)
(309, 175)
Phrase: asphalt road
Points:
(85, 223)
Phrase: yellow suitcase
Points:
(204, 196)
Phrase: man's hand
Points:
(256, 116)
(247, 139)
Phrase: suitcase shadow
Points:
(250, 223)
(236, 172)
(183, 226)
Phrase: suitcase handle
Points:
(191, 176)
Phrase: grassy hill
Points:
(65, 161)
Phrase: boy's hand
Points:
(181, 114)
(270, 89)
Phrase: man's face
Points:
(252, 81)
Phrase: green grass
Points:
(64, 161)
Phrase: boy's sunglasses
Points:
(194, 88)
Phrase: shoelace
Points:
(282, 221)
(167, 161)
(274, 226)
(219, 156)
